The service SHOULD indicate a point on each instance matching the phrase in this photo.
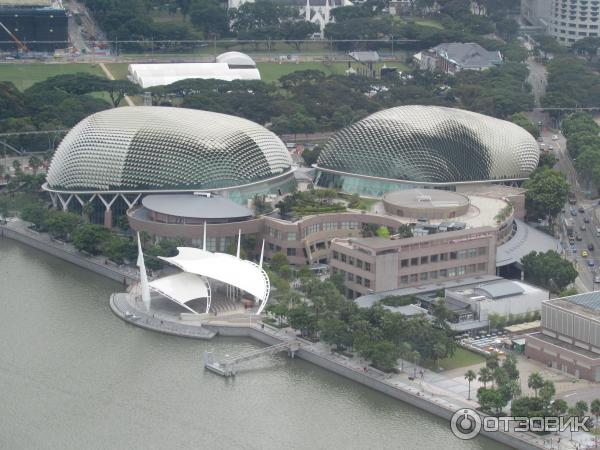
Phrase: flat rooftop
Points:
(426, 198)
(366, 301)
(195, 206)
(29, 3)
(586, 304)
(378, 243)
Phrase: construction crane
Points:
(21, 47)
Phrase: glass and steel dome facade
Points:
(159, 148)
(430, 145)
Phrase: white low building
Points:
(504, 297)
(228, 66)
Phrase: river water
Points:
(74, 376)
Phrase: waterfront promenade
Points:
(422, 393)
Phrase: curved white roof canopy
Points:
(236, 59)
(245, 275)
(150, 75)
(181, 288)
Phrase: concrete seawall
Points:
(514, 440)
(66, 255)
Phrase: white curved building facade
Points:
(122, 153)
(420, 146)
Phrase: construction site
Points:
(32, 27)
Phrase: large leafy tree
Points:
(547, 192)
(548, 270)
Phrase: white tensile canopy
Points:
(181, 288)
(228, 269)
(149, 75)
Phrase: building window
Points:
(367, 283)
(414, 278)
(404, 279)
(462, 254)
(434, 258)
(291, 252)
(482, 251)
(481, 267)
(443, 256)
(414, 261)
(351, 260)
(423, 276)
(343, 257)
(443, 273)
(350, 276)
(291, 236)
(359, 263)
(358, 279)
(472, 268)
(424, 259)
(271, 246)
(472, 252)
(336, 255)
(453, 255)
(368, 267)
(404, 263)
(451, 272)
(460, 271)
(433, 274)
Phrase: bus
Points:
(569, 226)
(572, 198)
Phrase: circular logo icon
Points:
(465, 424)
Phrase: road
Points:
(586, 231)
(537, 80)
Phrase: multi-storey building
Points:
(572, 20)
(378, 264)
(570, 336)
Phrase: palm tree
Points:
(35, 163)
(485, 375)
(470, 376)
(17, 166)
(573, 412)
(404, 349)
(535, 382)
(595, 410)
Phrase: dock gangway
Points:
(228, 366)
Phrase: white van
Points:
(598, 232)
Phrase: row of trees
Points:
(583, 144)
(54, 104)
(319, 309)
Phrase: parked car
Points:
(586, 219)
(591, 247)
(582, 227)
(597, 279)
(590, 263)
(578, 237)
(581, 209)
(584, 253)
(555, 137)
(540, 139)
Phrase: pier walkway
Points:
(228, 367)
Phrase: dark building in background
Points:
(42, 25)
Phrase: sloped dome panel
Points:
(432, 144)
(137, 148)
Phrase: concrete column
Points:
(108, 218)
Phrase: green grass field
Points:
(23, 75)
(119, 70)
(461, 358)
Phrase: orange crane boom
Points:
(22, 47)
